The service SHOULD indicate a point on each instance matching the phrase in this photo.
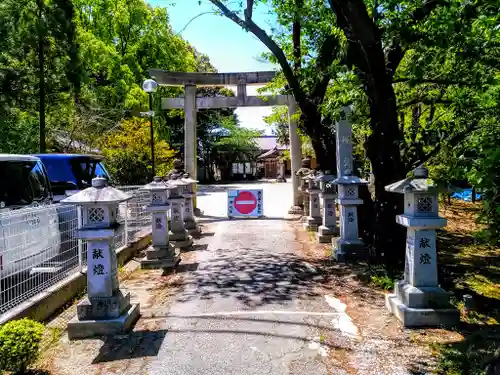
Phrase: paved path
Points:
(250, 307)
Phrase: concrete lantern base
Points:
(295, 210)
(348, 250)
(311, 224)
(192, 227)
(181, 240)
(160, 263)
(161, 258)
(422, 317)
(424, 306)
(83, 329)
(325, 234)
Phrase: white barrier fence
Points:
(38, 246)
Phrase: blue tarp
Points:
(465, 195)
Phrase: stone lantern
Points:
(303, 186)
(178, 233)
(348, 245)
(107, 310)
(305, 182)
(418, 300)
(188, 194)
(328, 194)
(161, 254)
(313, 220)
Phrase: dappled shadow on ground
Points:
(186, 267)
(195, 247)
(253, 277)
(472, 355)
(468, 267)
(137, 344)
(470, 271)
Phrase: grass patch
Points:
(376, 276)
(467, 265)
(382, 282)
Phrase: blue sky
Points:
(229, 47)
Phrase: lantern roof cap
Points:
(186, 177)
(156, 185)
(301, 172)
(98, 193)
(177, 182)
(326, 177)
(419, 183)
(310, 176)
(349, 180)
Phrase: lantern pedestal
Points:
(178, 233)
(329, 227)
(189, 221)
(161, 254)
(327, 196)
(314, 219)
(106, 310)
(348, 246)
(418, 301)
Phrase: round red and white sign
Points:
(245, 202)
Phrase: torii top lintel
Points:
(167, 78)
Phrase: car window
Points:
(59, 170)
(90, 169)
(100, 171)
(22, 182)
(38, 183)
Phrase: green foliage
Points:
(97, 54)
(19, 344)
(484, 174)
(438, 62)
(382, 281)
(128, 154)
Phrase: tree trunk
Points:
(322, 140)
(384, 154)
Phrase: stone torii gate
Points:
(190, 103)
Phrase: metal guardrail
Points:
(38, 246)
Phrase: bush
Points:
(19, 344)
(128, 153)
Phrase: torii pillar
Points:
(190, 103)
(190, 138)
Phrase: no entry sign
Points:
(244, 203)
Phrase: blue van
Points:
(70, 173)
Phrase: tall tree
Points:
(364, 43)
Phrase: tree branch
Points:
(418, 81)
(425, 101)
(192, 19)
(249, 11)
(296, 37)
(249, 25)
(395, 52)
(326, 56)
(452, 142)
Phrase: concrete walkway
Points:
(250, 306)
